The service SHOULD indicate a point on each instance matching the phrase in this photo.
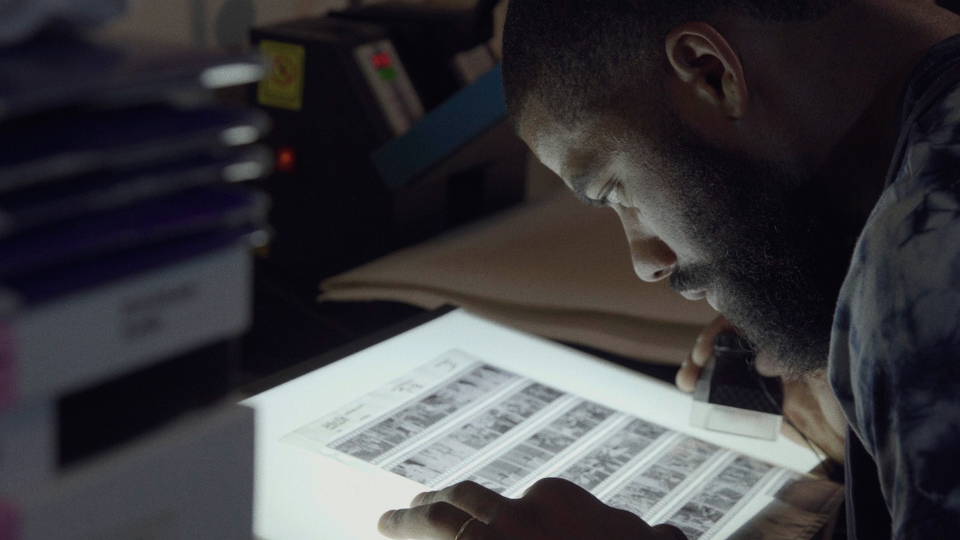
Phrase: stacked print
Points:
(125, 243)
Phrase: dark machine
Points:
(428, 38)
(377, 143)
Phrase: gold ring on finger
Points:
(464, 527)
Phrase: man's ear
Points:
(703, 60)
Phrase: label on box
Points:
(9, 520)
(390, 84)
(97, 334)
(8, 361)
(284, 87)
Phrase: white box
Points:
(192, 480)
(93, 335)
(28, 445)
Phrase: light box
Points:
(301, 494)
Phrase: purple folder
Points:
(166, 218)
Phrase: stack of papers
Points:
(121, 243)
(110, 153)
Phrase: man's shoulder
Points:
(920, 210)
(903, 282)
(901, 286)
(895, 357)
(902, 291)
(932, 152)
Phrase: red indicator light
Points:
(381, 60)
(286, 159)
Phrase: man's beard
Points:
(775, 258)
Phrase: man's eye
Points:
(611, 193)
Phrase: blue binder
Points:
(442, 131)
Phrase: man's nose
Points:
(653, 259)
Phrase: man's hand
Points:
(812, 408)
(702, 351)
(808, 403)
(552, 509)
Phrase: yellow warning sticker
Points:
(284, 87)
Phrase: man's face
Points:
(745, 233)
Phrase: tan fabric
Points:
(555, 267)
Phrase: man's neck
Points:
(827, 92)
(883, 51)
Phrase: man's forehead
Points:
(575, 151)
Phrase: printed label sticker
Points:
(284, 87)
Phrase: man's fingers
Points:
(703, 349)
(690, 369)
(670, 532)
(468, 496)
(687, 376)
(436, 521)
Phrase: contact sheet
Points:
(459, 418)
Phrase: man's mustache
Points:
(691, 278)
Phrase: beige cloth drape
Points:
(554, 267)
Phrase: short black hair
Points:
(581, 56)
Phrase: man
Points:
(796, 163)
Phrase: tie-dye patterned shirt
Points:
(895, 354)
